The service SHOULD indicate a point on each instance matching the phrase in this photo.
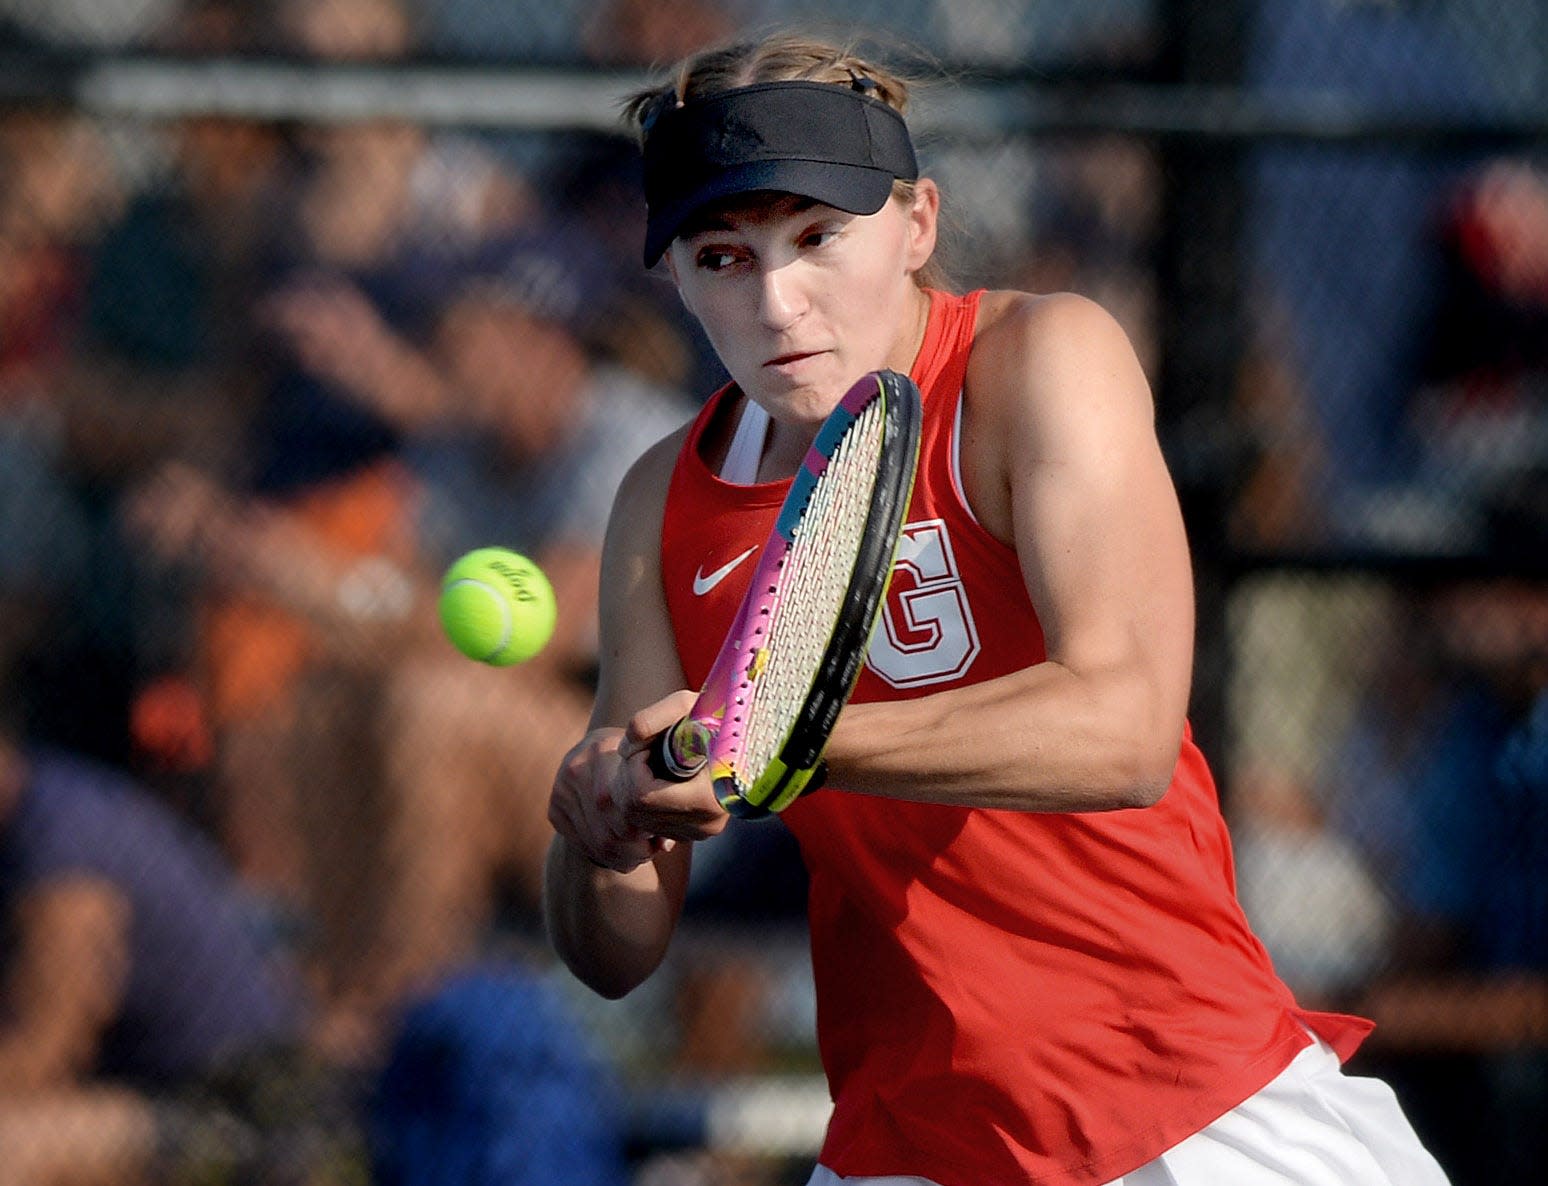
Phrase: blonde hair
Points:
(778, 57)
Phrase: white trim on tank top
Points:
(752, 429)
(956, 460)
(746, 452)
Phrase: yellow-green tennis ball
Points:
(497, 606)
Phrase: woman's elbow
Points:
(611, 983)
(1146, 770)
(609, 978)
(601, 959)
(1143, 791)
(1137, 724)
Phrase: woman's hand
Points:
(668, 809)
(585, 805)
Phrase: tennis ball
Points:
(497, 606)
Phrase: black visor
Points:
(819, 140)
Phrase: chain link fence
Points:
(300, 300)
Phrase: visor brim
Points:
(854, 189)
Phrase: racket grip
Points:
(678, 753)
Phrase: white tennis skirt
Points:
(1312, 1125)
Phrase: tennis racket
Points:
(794, 651)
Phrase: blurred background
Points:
(301, 299)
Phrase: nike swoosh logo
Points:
(703, 582)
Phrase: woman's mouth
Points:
(795, 358)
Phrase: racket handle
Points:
(678, 753)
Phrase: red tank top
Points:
(1003, 998)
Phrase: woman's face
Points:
(800, 300)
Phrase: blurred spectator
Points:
(49, 199)
(352, 222)
(1443, 781)
(539, 439)
(420, 798)
(541, 422)
(1429, 787)
(1311, 896)
(1480, 419)
(491, 1082)
(593, 185)
(1336, 236)
(593, 189)
(653, 32)
(164, 366)
(1460, 464)
(1095, 223)
(141, 1018)
(372, 207)
(1304, 658)
(57, 189)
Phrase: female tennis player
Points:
(1030, 963)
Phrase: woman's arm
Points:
(1060, 460)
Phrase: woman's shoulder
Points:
(653, 468)
(1009, 319)
(1044, 360)
(1039, 341)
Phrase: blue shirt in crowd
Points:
(199, 987)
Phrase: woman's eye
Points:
(818, 238)
(712, 260)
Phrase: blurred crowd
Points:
(270, 849)
(259, 385)
(1395, 401)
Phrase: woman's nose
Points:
(782, 300)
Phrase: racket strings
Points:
(815, 580)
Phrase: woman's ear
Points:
(923, 219)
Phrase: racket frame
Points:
(710, 733)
